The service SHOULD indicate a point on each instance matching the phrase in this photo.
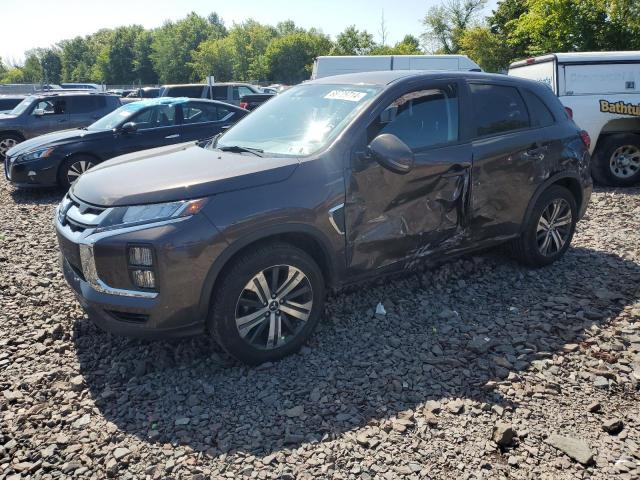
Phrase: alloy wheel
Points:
(625, 161)
(274, 307)
(6, 144)
(554, 227)
(78, 168)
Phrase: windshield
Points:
(22, 106)
(117, 117)
(299, 121)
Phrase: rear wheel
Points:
(8, 141)
(268, 304)
(73, 167)
(549, 229)
(616, 161)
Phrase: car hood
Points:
(52, 139)
(177, 172)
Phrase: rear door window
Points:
(422, 118)
(539, 113)
(241, 91)
(498, 109)
(86, 103)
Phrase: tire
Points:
(238, 319)
(7, 141)
(529, 248)
(73, 167)
(616, 161)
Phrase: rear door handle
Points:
(175, 135)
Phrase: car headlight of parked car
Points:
(35, 155)
(121, 217)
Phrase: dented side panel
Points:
(393, 218)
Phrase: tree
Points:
(353, 42)
(76, 61)
(117, 55)
(290, 57)
(3, 68)
(446, 24)
(383, 30)
(174, 44)
(51, 65)
(143, 71)
(502, 22)
(578, 25)
(250, 40)
(13, 75)
(409, 45)
(214, 57)
(487, 49)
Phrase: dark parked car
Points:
(60, 158)
(253, 101)
(223, 92)
(332, 182)
(145, 92)
(9, 102)
(51, 111)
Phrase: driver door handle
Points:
(175, 135)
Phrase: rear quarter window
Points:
(87, 103)
(498, 109)
(539, 113)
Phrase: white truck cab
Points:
(328, 66)
(601, 90)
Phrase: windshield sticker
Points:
(346, 95)
(620, 108)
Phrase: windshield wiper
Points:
(238, 149)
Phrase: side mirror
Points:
(38, 112)
(392, 153)
(129, 127)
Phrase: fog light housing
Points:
(140, 256)
(143, 278)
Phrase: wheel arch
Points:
(569, 181)
(307, 238)
(73, 155)
(17, 133)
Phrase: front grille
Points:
(128, 316)
(80, 216)
(71, 252)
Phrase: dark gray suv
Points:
(51, 111)
(332, 182)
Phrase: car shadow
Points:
(36, 196)
(449, 333)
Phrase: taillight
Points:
(586, 139)
(569, 112)
(244, 105)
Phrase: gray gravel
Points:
(479, 369)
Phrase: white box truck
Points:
(601, 90)
(339, 65)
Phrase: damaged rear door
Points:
(393, 219)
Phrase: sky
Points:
(42, 23)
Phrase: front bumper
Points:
(95, 266)
(37, 173)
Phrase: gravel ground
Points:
(479, 369)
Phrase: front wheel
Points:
(549, 229)
(7, 142)
(268, 304)
(72, 168)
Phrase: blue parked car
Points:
(60, 158)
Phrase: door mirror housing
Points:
(129, 127)
(392, 153)
(38, 112)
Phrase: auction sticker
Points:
(347, 95)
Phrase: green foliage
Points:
(579, 25)
(290, 57)
(214, 57)
(13, 75)
(487, 49)
(174, 44)
(353, 42)
(447, 22)
(409, 45)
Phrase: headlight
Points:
(120, 217)
(35, 155)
